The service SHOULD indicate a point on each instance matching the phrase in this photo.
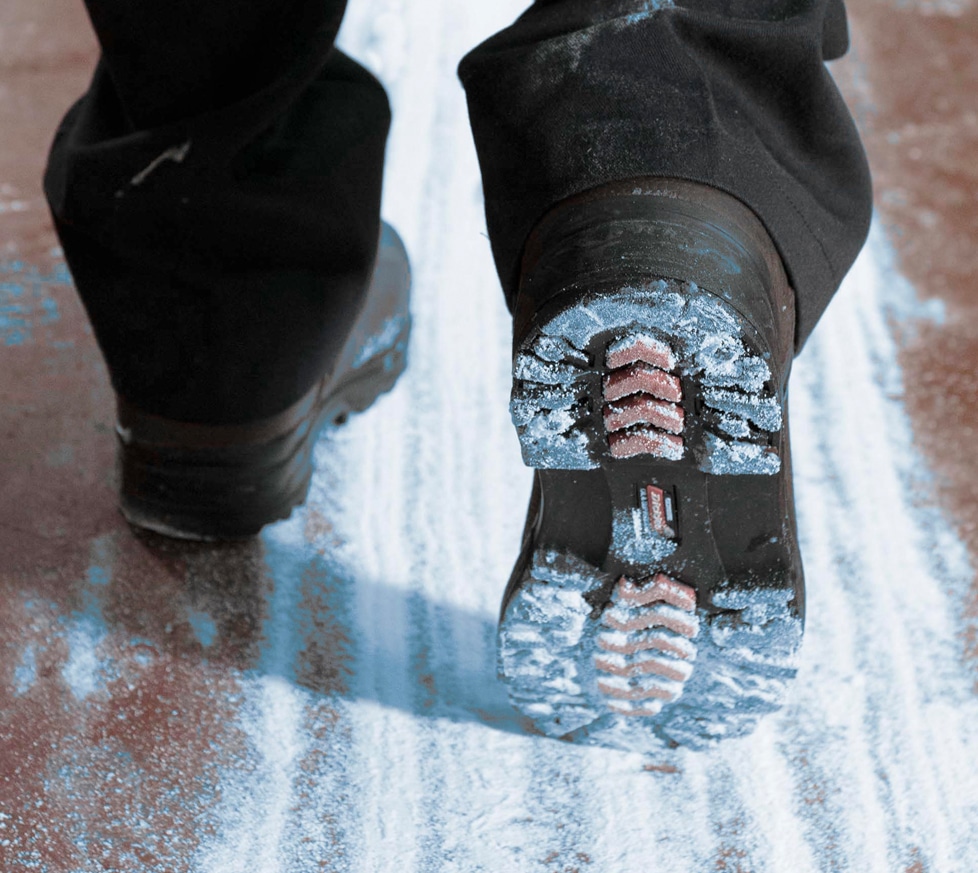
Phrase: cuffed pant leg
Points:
(730, 93)
(217, 195)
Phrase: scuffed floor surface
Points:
(325, 699)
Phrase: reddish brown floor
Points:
(56, 499)
(913, 77)
(55, 464)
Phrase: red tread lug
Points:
(640, 668)
(651, 351)
(644, 409)
(660, 589)
(655, 645)
(652, 619)
(641, 377)
(646, 441)
(643, 416)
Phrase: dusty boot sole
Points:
(658, 600)
(204, 482)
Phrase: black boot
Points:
(659, 596)
(198, 481)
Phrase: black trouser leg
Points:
(217, 194)
(730, 93)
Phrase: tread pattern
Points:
(654, 338)
(643, 414)
(747, 657)
(650, 672)
(656, 663)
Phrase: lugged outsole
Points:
(732, 669)
(627, 654)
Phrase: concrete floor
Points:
(171, 707)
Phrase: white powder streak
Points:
(82, 671)
(893, 642)
(256, 808)
(25, 673)
(763, 782)
(281, 747)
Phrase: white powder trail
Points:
(81, 670)
(824, 775)
(763, 781)
(892, 644)
(905, 593)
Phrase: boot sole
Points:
(656, 602)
